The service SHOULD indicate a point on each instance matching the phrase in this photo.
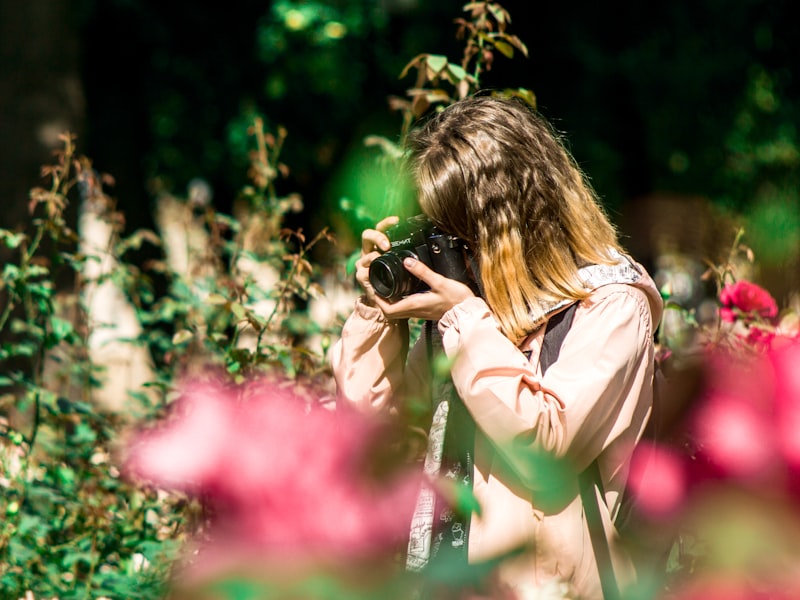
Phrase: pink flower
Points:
(748, 298)
(733, 424)
(785, 362)
(733, 586)
(284, 478)
(736, 436)
(657, 480)
(758, 338)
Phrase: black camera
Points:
(418, 238)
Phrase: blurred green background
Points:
(683, 114)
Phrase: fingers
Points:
(421, 271)
(362, 275)
(375, 239)
(384, 224)
(373, 243)
(444, 293)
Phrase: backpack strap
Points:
(557, 327)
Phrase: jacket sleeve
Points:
(368, 359)
(585, 400)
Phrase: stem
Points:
(302, 252)
(92, 567)
(37, 416)
(6, 312)
(280, 298)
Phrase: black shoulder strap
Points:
(557, 327)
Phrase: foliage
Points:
(74, 527)
(71, 525)
(208, 310)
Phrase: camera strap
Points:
(439, 533)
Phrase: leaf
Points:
(457, 72)
(83, 434)
(37, 270)
(239, 311)
(527, 95)
(216, 299)
(73, 558)
(437, 95)
(505, 48)
(10, 272)
(184, 335)
(10, 239)
(414, 62)
(61, 329)
(66, 476)
(436, 63)
(499, 13)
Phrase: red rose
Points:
(747, 298)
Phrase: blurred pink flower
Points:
(736, 436)
(785, 362)
(657, 480)
(746, 423)
(759, 338)
(284, 478)
(730, 586)
(747, 298)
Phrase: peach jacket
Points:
(592, 404)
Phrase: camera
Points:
(418, 238)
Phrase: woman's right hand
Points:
(373, 243)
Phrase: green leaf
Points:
(219, 338)
(83, 434)
(11, 273)
(436, 63)
(66, 478)
(505, 48)
(24, 349)
(184, 335)
(497, 12)
(37, 271)
(216, 299)
(457, 71)
(73, 558)
(31, 525)
(10, 239)
(465, 501)
(61, 329)
(239, 311)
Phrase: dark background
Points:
(678, 111)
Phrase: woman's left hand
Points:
(443, 295)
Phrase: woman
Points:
(492, 172)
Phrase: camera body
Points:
(418, 238)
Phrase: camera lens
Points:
(389, 278)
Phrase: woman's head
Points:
(494, 173)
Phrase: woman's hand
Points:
(443, 295)
(373, 243)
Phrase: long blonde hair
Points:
(493, 172)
